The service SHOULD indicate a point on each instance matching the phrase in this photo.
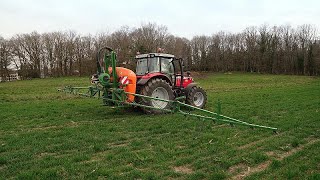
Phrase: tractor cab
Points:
(154, 63)
(162, 65)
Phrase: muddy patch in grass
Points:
(237, 168)
(43, 154)
(251, 170)
(281, 156)
(253, 143)
(118, 144)
(183, 169)
(263, 166)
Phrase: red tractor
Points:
(161, 76)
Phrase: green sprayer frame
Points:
(113, 95)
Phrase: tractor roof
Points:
(154, 54)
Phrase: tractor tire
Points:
(196, 97)
(157, 88)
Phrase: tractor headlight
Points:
(104, 79)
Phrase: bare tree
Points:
(5, 58)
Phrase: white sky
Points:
(184, 18)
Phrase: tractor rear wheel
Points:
(157, 88)
(196, 97)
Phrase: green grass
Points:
(49, 135)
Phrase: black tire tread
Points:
(146, 91)
(191, 93)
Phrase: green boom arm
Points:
(176, 106)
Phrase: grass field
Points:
(46, 134)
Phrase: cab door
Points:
(178, 72)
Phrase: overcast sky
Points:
(184, 18)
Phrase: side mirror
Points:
(188, 73)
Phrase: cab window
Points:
(167, 66)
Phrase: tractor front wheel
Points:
(196, 97)
(157, 88)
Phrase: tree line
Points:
(264, 49)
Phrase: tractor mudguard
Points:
(142, 81)
(189, 86)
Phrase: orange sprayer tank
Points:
(131, 77)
